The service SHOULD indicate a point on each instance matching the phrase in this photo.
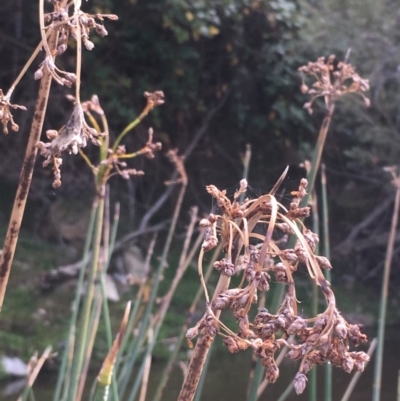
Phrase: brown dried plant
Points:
(332, 83)
(257, 257)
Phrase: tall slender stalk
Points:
(34, 373)
(327, 253)
(385, 289)
(64, 375)
(312, 392)
(146, 318)
(87, 306)
(167, 370)
(159, 318)
(14, 225)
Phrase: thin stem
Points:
(88, 302)
(42, 29)
(384, 294)
(168, 368)
(64, 375)
(326, 246)
(129, 128)
(17, 213)
(25, 68)
(78, 52)
(154, 289)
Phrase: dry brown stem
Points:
(26, 177)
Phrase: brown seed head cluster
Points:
(332, 81)
(66, 25)
(72, 136)
(5, 113)
(312, 341)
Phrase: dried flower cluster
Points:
(114, 159)
(76, 133)
(72, 136)
(5, 113)
(66, 25)
(313, 341)
(332, 82)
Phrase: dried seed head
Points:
(60, 50)
(100, 30)
(154, 99)
(332, 83)
(5, 113)
(300, 382)
(289, 255)
(297, 326)
(88, 44)
(210, 240)
(225, 266)
(204, 223)
(272, 373)
(295, 353)
(348, 364)
(360, 359)
(72, 136)
(38, 74)
(230, 342)
(341, 329)
(280, 273)
(323, 262)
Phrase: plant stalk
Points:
(384, 294)
(25, 179)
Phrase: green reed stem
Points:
(384, 294)
(146, 317)
(132, 316)
(257, 378)
(327, 253)
(87, 305)
(159, 318)
(65, 369)
(286, 393)
(107, 252)
(94, 325)
(312, 387)
(168, 368)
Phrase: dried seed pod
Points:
(263, 281)
(272, 373)
(297, 326)
(323, 262)
(225, 266)
(289, 255)
(360, 359)
(348, 363)
(341, 329)
(230, 342)
(192, 332)
(295, 353)
(300, 382)
(355, 335)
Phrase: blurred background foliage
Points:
(228, 69)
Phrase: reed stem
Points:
(14, 226)
(384, 294)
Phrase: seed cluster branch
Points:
(259, 257)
